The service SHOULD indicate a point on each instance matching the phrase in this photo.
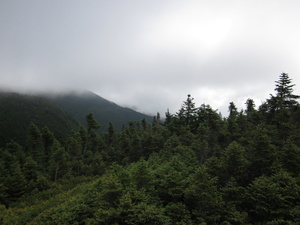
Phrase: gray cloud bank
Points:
(150, 54)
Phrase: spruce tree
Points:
(284, 89)
(250, 106)
(284, 93)
(282, 106)
(187, 114)
(91, 136)
(34, 142)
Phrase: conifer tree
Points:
(282, 106)
(15, 181)
(91, 123)
(34, 142)
(232, 111)
(3, 176)
(91, 136)
(16, 150)
(232, 122)
(284, 93)
(111, 133)
(284, 90)
(48, 141)
(59, 162)
(30, 169)
(250, 106)
(187, 111)
(234, 162)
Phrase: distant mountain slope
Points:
(61, 113)
(80, 104)
(17, 111)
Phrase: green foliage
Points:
(274, 198)
(59, 164)
(234, 163)
(284, 92)
(18, 111)
(202, 197)
(194, 168)
(290, 157)
(34, 143)
(262, 153)
(81, 104)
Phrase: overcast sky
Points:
(148, 55)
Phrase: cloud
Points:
(150, 55)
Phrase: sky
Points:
(149, 55)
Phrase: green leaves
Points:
(234, 162)
(196, 168)
(202, 197)
(271, 198)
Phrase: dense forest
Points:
(61, 112)
(194, 167)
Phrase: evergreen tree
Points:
(59, 162)
(156, 120)
(290, 157)
(210, 127)
(48, 141)
(141, 175)
(234, 197)
(16, 150)
(203, 199)
(282, 106)
(91, 123)
(74, 146)
(30, 169)
(232, 111)
(144, 124)
(111, 133)
(250, 106)
(251, 117)
(232, 122)
(234, 162)
(16, 182)
(3, 176)
(91, 136)
(262, 153)
(274, 199)
(284, 92)
(34, 142)
(187, 113)
(284, 98)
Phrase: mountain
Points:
(17, 111)
(61, 113)
(80, 104)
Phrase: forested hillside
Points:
(61, 113)
(79, 104)
(18, 111)
(194, 168)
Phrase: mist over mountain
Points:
(195, 167)
(18, 111)
(80, 103)
(60, 112)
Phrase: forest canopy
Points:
(195, 167)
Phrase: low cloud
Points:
(149, 56)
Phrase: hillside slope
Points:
(59, 112)
(80, 104)
(17, 111)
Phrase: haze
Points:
(148, 55)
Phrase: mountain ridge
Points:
(18, 111)
(79, 104)
(60, 112)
